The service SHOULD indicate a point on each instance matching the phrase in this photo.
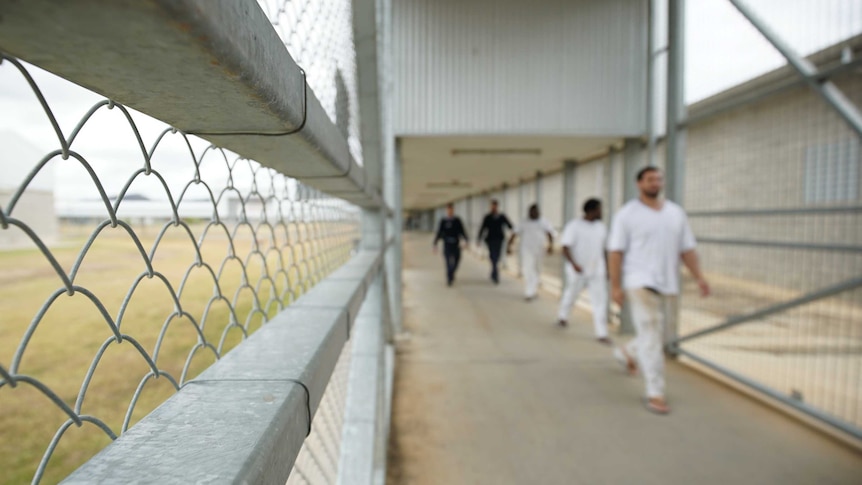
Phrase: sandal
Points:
(661, 409)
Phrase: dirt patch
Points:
(13, 276)
(395, 472)
(411, 437)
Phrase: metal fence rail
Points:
(173, 253)
(235, 83)
(318, 459)
(319, 36)
(246, 418)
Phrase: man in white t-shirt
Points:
(648, 238)
(583, 244)
(533, 232)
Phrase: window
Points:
(832, 172)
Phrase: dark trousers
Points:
(452, 255)
(495, 247)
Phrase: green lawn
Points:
(72, 330)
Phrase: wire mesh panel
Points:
(318, 459)
(773, 193)
(169, 252)
(319, 36)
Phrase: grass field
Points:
(72, 330)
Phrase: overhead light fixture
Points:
(506, 152)
(452, 184)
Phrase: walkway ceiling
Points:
(441, 169)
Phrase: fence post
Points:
(675, 153)
(538, 187)
(631, 165)
(569, 210)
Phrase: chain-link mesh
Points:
(170, 252)
(773, 192)
(318, 459)
(319, 36)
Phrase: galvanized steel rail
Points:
(244, 419)
(231, 79)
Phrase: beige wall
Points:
(754, 158)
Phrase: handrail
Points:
(245, 418)
(232, 80)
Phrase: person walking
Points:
(492, 231)
(648, 238)
(451, 230)
(533, 232)
(584, 263)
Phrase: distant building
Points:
(35, 208)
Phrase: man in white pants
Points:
(533, 232)
(648, 238)
(583, 244)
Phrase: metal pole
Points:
(778, 212)
(765, 92)
(650, 83)
(778, 396)
(833, 290)
(827, 89)
(469, 216)
(609, 204)
(521, 199)
(675, 161)
(850, 248)
(538, 187)
(631, 165)
(569, 211)
(674, 166)
(394, 199)
(521, 210)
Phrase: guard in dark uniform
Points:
(492, 229)
(451, 230)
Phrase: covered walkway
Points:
(488, 390)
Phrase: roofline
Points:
(827, 60)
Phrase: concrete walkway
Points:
(489, 391)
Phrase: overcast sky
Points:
(722, 50)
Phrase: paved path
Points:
(488, 391)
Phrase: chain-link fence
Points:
(772, 189)
(161, 254)
(319, 36)
(318, 459)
